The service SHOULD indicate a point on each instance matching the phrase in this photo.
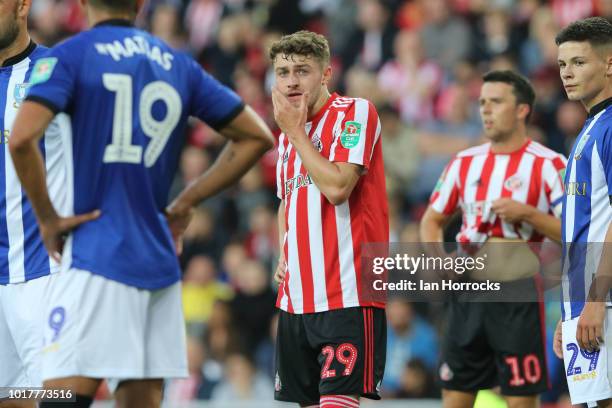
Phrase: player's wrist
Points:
(181, 205)
(528, 214)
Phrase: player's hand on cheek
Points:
(290, 119)
(589, 332)
(54, 231)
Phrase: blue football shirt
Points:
(22, 254)
(128, 96)
(587, 207)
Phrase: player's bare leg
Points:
(457, 399)
(604, 403)
(139, 394)
(82, 388)
(522, 402)
(20, 404)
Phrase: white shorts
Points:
(21, 320)
(100, 328)
(588, 374)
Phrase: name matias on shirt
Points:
(136, 45)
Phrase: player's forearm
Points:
(30, 169)
(600, 287)
(234, 161)
(334, 185)
(546, 224)
(431, 230)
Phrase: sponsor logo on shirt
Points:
(297, 182)
(476, 208)
(351, 134)
(576, 188)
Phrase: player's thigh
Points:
(297, 372)
(166, 348)
(458, 399)
(139, 393)
(467, 363)
(12, 369)
(351, 345)
(96, 327)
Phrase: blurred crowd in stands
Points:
(420, 62)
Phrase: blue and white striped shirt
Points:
(22, 254)
(587, 207)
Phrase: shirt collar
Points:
(15, 59)
(115, 22)
(599, 107)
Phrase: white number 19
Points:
(121, 150)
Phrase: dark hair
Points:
(123, 5)
(521, 87)
(304, 43)
(596, 30)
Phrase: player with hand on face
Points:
(330, 180)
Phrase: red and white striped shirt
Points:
(476, 177)
(322, 243)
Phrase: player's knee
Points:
(81, 401)
(338, 401)
(457, 399)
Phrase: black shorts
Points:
(338, 352)
(489, 344)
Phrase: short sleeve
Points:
(53, 77)
(359, 133)
(553, 174)
(212, 102)
(445, 197)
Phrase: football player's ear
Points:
(327, 73)
(23, 8)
